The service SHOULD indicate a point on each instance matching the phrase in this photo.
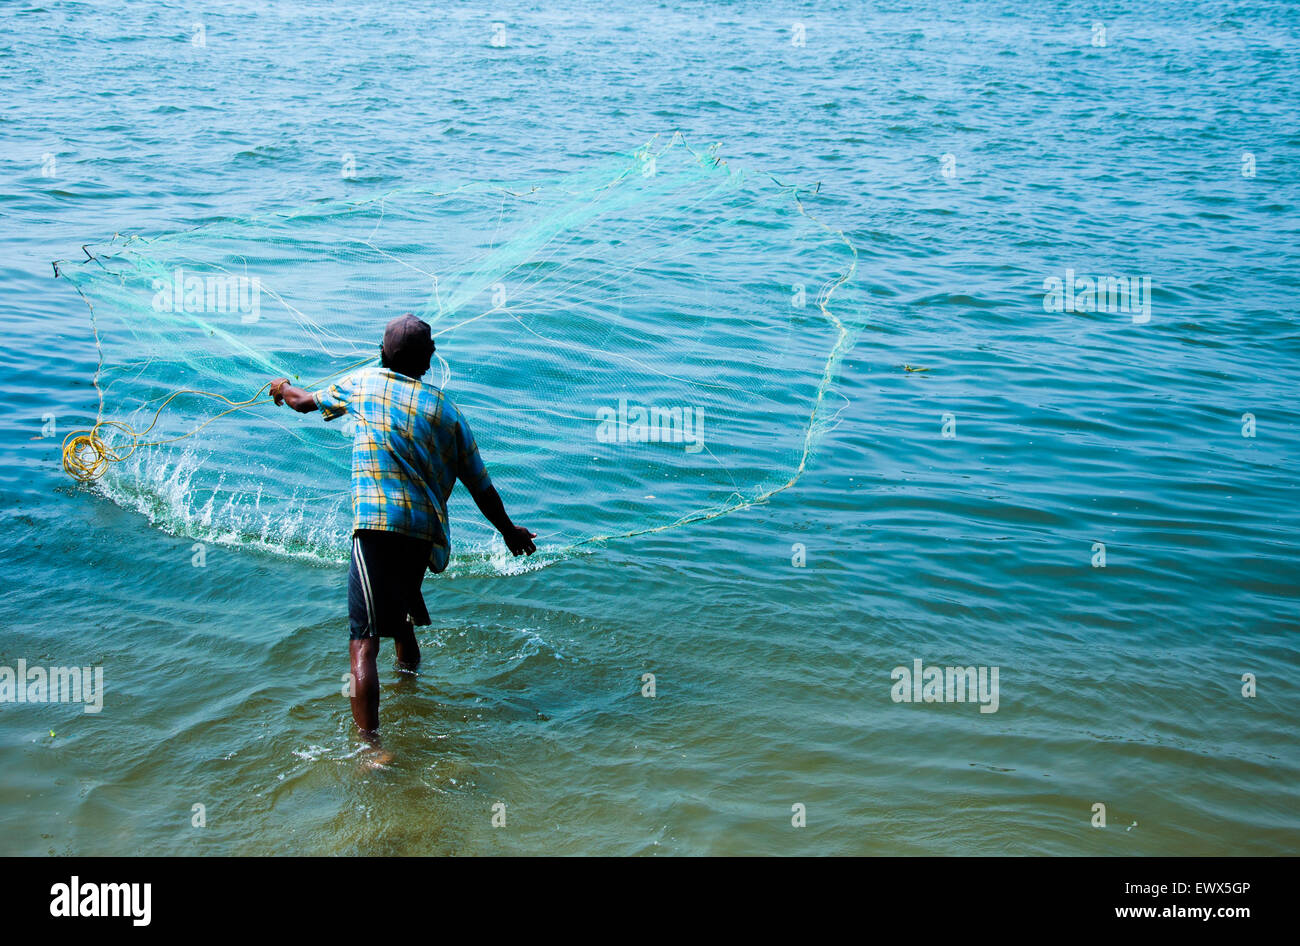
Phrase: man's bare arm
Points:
(518, 539)
(285, 393)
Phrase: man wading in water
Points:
(411, 445)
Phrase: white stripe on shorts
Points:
(365, 586)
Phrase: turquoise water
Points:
(1118, 685)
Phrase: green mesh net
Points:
(644, 344)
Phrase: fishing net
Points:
(637, 346)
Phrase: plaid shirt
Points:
(410, 447)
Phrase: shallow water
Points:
(1118, 685)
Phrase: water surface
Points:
(1118, 685)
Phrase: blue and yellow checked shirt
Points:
(410, 447)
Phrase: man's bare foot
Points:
(376, 757)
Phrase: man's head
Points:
(408, 346)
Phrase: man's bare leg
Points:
(365, 682)
(408, 649)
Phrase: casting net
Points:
(637, 346)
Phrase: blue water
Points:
(1170, 152)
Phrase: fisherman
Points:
(410, 446)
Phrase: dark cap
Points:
(407, 340)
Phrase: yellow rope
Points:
(87, 456)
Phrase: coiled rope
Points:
(87, 455)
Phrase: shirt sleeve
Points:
(333, 401)
(469, 465)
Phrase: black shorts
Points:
(384, 583)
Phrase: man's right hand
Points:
(519, 540)
(282, 392)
